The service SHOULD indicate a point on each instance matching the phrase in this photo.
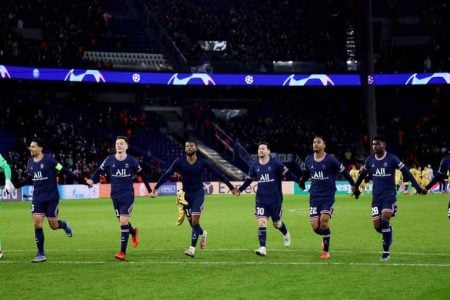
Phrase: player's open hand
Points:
(90, 182)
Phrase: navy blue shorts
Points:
(123, 206)
(196, 201)
(383, 202)
(318, 206)
(268, 210)
(45, 208)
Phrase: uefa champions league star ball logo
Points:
(136, 77)
(313, 79)
(193, 79)
(86, 76)
(4, 72)
(424, 79)
(249, 79)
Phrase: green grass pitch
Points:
(83, 267)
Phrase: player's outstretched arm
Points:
(408, 176)
(303, 178)
(145, 181)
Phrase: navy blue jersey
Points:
(444, 166)
(192, 174)
(323, 174)
(121, 173)
(383, 172)
(269, 177)
(43, 174)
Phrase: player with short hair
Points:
(382, 165)
(121, 168)
(9, 187)
(444, 168)
(191, 168)
(42, 169)
(269, 172)
(322, 168)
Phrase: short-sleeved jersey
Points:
(444, 166)
(43, 174)
(383, 172)
(398, 176)
(192, 174)
(354, 174)
(121, 173)
(269, 177)
(416, 173)
(323, 174)
(425, 178)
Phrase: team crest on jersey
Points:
(42, 166)
(127, 165)
(385, 164)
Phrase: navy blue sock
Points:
(130, 228)
(387, 235)
(196, 231)
(39, 237)
(283, 229)
(262, 235)
(62, 224)
(449, 209)
(125, 234)
(326, 235)
(318, 231)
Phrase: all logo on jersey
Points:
(264, 177)
(121, 172)
(317, 175)
(380, 172)
(37, 175)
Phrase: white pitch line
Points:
(232, 250)
(233, 263)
